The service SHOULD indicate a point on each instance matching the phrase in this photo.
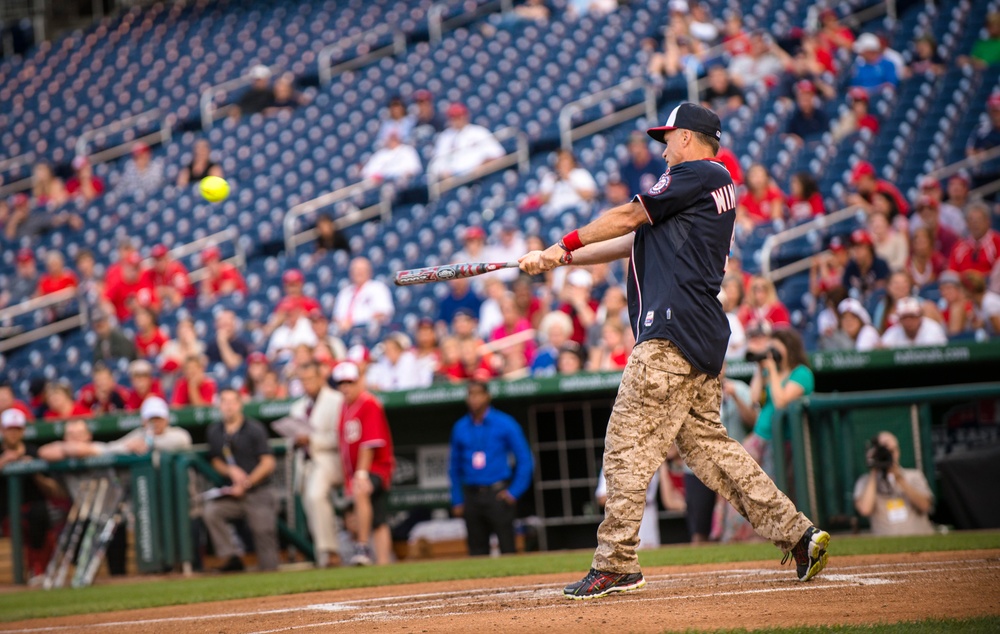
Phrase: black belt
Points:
(496, 487)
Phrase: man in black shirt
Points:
(227, 347)
(239, 450)
(259, 96)
(721, 94)
(808, 122)
(677, 238)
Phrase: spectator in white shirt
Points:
(143, 175)
(394, 162)
(294, 330)
(509, 248)
(364, 301)
(567, 187)
(913, 328)
(397, 368)
(155, 432)
(856, 323)
(462, 147)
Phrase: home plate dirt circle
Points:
(852, 590)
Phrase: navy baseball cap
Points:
(689, 116)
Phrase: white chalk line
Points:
(541, 590)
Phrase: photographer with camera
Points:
(783, 376)
(895, 500)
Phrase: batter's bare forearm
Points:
(607, 251)
(614, 223)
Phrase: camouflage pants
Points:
(662, 398)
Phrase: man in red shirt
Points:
(59, 403)
(223, 278)
(368, 463)
(144, 384)
(83, 183)
(130, 289)
(7, 401)
(113, 274)
(194, 388)
(168, 276)
(102, 395)
(867, 184)
(294, 302)
(981, 250)
(578, 304)
(57, 277)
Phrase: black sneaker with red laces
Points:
(598, 584)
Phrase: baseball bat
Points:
(64, 536)
(74, 540)
(447, 272)
(92, 538)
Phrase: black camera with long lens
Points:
(880, 456)
(757, 357)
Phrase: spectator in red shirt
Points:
(981, 250)
(102, 395)
(763, 306)
(144, 384)
(294, 301)
(866, 183)
(368, 462)
(833, 35)
(113, 274)
(526, 300)
(131, 290)
(57, 277)
(169, 277)
(804, 200)
(194, 388)
(84, 184)
(761, 202)
(223, 278)
(578, 304)
(728, 158)
(149, 339)
(514, 322)
(7, 401)
(59, 404)
(930, 216)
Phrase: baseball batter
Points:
(677, 238)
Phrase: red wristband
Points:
(572, 241)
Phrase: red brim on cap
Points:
(659, 133)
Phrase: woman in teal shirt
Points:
(784, 378)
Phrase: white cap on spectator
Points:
(853, 306)
(13, 418)
(909, 306)
(867, 42)
(154, 407)
(580, 277)
(679, 6)
(345, 371)
(260, 72)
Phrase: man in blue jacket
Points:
(484, 487)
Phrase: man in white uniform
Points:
(320, 406)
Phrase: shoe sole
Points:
(606, 592)
(817, 550)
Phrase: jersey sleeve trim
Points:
(638, 199)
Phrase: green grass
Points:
(981, 625)
(19, 605)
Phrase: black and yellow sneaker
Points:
(810, 553)
(598, 584)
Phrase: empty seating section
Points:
(518, 74)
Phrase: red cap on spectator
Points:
(836, 244)
(211, 254)
(863, 168)
(860, 236)
(158, 251)
(805, 86)
(993, 103)
(929, 182)
(422, 95)
(133, 258)
(474, 233)
(140, 148)
(256, 357)
(858, 94)
(457, 110)
(293, 276)
(25, 255)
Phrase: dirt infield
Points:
(869, 589)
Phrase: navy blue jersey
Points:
(678, 261)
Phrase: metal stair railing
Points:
(382, 208)
(568, 134)
(774, 241)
